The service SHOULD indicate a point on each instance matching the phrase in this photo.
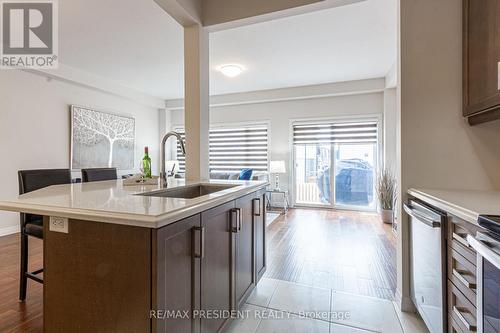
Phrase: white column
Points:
(196, 99)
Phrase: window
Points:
(335, 163)
(234, 148)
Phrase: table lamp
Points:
(277, 167)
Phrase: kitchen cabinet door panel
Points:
(260, 234)
(481, 56)
(245, 254)
(217, 267)
(178, 274)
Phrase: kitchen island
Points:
(144, 259)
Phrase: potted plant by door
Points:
(386, 188)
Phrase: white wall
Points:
(279, 113)
(35, 127)
(438, 149)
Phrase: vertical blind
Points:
(333, 132)
(234, 148)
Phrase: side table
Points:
(286, 202)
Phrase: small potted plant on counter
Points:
(386, 189)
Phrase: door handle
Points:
(201, 231)
(421, 217)
(256, 202)
(486, 247)
(464, 321)
(235, 220)
(461, 238)
(239, 219)
(461, 278)
(498, 79)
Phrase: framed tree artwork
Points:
(101, 139)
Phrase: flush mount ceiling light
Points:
(231, 70)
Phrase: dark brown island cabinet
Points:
(481, 60)
(189, 276)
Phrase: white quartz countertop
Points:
(112, 202)
(465, 204)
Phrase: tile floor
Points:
(277, 306)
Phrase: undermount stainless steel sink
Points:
(189, 191)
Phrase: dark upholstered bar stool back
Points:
(32, 225)
(99, 174)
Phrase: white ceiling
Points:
(353, 42)
(132, 42)
(137, 45)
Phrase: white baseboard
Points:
(9, 230)
(405, 304)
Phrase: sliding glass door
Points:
(335, 164)
(312, 174)
(355, 175)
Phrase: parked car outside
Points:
(353, 183)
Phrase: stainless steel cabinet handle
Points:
(421, 217)
(461, 239)
(256, 207)
(201, 231)
(464, 321)
(462, 279)
(239, 219)
(486, 246)
(235, 220)
(498, 80)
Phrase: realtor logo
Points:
(29, 34)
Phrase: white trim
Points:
(5, 231)
(347, 88)
(391, 78)
(266, 122)
(405, 304)
(87, 80)
(378, 118)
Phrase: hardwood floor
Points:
(345, 251)
(340, 250)
(14, 315)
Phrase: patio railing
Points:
(307, 193)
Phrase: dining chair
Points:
(99, 174)
(32, 225)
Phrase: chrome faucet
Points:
(163, 174)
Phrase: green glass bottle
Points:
(146, 164)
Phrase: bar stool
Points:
(99, 174)
(32, 225)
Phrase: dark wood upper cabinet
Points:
(481, 60)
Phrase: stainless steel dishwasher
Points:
(428, 263)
